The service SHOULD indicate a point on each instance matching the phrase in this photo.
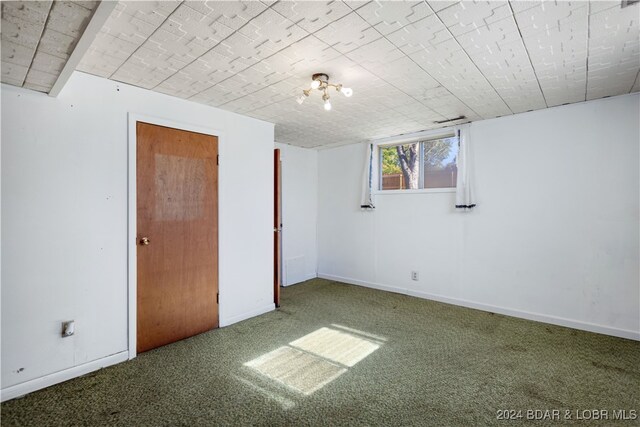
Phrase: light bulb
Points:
(315, 84)
(327, 105)
(301, 99)
(347, 91)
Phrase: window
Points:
(425, 164)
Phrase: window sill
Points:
(420, 191)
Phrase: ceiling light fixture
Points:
(320, 81)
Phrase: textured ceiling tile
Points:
(182, 85)
(388, 17)
(405, 75)
(170, 89)
(306, 56)
(242, 51)
(195, 78)
(612, 80)
(251, 102)
(47, 63)
(272, 31)
(439, 5)
(214, 96)
(489, 39)
(38, 88)
(22, 26)
(148, 68)
(133, 73)
(39, 80)
(16, 54)
(28, 11)
(467, 16)
(263, 75)
(441, 100)
(258, 100)
(356, 4)
(556, 40)
(424, 34)
(240, 85)
(157, 61)
(89, 4)
(57, 44)
(281, 91)
(64, 26)
(418, 73)
(300, 122)
(348, 33)
(395, 126)
(13, 74)
(614, 51)
(106, 44)
(209, 69)
(379, 95)
(151, 12)
(312, 15)
(456, 72)
(343, 70)
(99, 63)
(522, 5)
(233, 14)
(498, 52)
(601, 5)
(21, 32)
(128, 27)
(550, 16)
(200, 29)
(68, 18)
(252, 44)
(374, 56)
(185, 49)
(420, 113)
(286, 90)
(268, 112)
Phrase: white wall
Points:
(555, 236)
(64, 221)
(299, 213)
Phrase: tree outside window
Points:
(426, 164)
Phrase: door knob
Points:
(145, 241)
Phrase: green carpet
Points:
(428, 364)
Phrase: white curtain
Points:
(366, 199)
(465, 197)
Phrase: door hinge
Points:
(218, 159)
(218, 298)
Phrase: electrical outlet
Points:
(414, 275)
(68, 328)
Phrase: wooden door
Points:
(177, 256)
(277, 227)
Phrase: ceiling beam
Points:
(98, 19)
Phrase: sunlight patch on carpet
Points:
(337, 346)
(285, 403)
(313, 361)
(359, 332)
(296, 369)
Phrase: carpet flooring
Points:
(337, 354)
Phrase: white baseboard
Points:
(544, 318)
(246, 315)
(304, 278)
(30, 386)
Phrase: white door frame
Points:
(132, 212)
